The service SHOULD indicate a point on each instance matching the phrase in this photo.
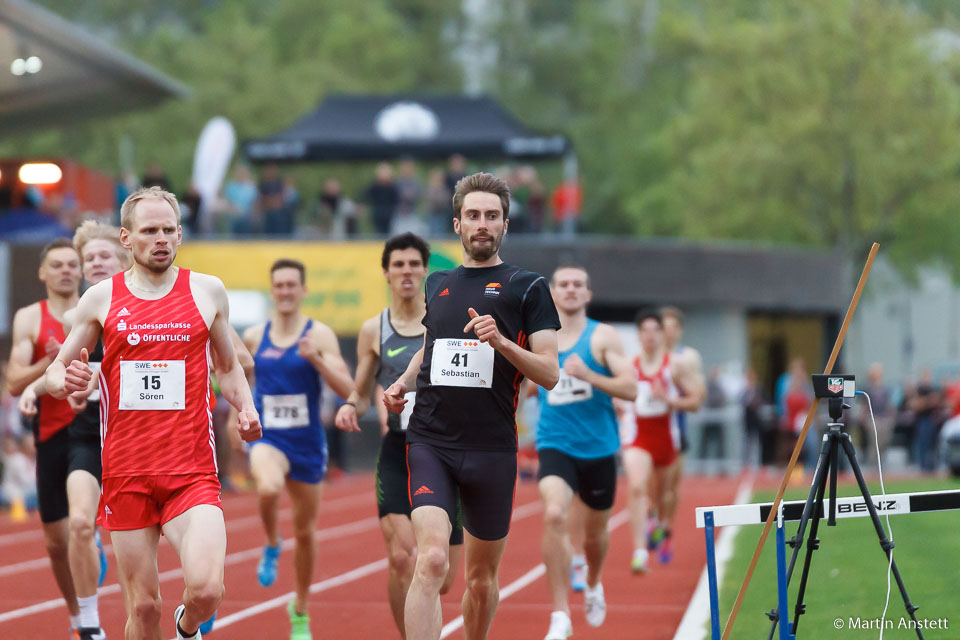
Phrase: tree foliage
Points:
(821, 122)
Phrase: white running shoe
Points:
(640, 562)
(177, 614)
(560, 626)
(594, 605)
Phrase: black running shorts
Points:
(594, 480)
(486, 481)
(393, 495)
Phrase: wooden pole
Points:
(797, 448)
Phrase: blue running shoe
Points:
(207, 626)
(578, 577)
(267, 569)
(103, 560)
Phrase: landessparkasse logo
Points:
(122, 325)
(133, 339)
(834, 385)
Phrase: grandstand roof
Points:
(81, 76)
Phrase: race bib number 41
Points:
(155, 385)
(461, 363)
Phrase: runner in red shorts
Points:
(160, 325)
(652, 448)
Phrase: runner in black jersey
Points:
(489, 325)
(385, 346)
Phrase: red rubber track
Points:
(350, 576)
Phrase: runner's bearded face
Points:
(155, 235)
(650, 334)
(570, 291)
(481, 225)
(100, 260)
(405, 273)
(287, 290)
(60, 271)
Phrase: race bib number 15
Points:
(461, 363)
(156, 385)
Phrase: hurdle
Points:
(709, 518)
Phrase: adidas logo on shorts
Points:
(424, 489)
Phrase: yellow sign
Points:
(345, 283)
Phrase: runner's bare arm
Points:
(20, 372)
(622, 384)
(687, 372)
(347, 414)
(393, 398)
(323, 351)
(540, 364)
(233, 382)
(70, 371)
(243, 354)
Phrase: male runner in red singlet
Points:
(161, 325)
(37, 336)
(650, 450)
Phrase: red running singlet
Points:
(155, 385)
(53, 415)
(653, 415)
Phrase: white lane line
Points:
(234, 558)
(521, 512)
(528, 578)
(239, 524)
(696, 618)
(327, 506)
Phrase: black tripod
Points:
(828, 462)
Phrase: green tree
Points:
(824, 122)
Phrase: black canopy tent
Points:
(372, 127)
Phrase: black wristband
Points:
(351, 403)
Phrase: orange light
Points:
(40, 173)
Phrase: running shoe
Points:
(640, 561)
(103, 559)
(655, 534)
(594, 605)
(666, 550)
(299, 624)
(267, 569)
(207, 626)
(578, 576)
(91, 633)
(177, 614)
(560, 626)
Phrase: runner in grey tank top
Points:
(396, 350)
(385, 345)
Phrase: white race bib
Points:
(646, 406)
(95, 394)
(155, 385)
(569, 390)
(411, 397)
(461, 363)
(285, 412)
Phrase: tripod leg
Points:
(834, 465)
(813, 543)
(885, 543)
(814, 499)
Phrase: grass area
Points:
(848, 574)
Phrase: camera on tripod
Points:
(835, 387)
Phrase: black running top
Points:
(465, 398)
